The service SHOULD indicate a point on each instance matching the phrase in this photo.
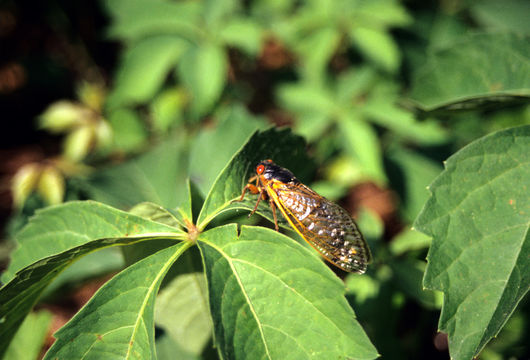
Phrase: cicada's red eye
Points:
(260, 169)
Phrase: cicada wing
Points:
(324, 225)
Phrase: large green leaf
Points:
(118, 321)
(59, 228)
(271, 298)
(282, 146)
(474, 70)
(478, 216)
(22, 292)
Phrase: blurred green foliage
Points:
(383, 91)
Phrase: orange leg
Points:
(253, 190)
(261, 195)
(256, 189)
(273, 207)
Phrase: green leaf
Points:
(362, 144)
(271, 297)
(216, 13)
(510, 15)
(91, 266)
(156, 213)
(475, 70)
(243, 34)
(372, 225)
(315, 51)
(312, 126)
(168, 349)
(411, 173)
(378, 46)
(409, 240)
(118, 319)
(384, 112)
(307, 98)
(22, 292)
(158, 176)
(167, 109)
(128, 130)
(189, 209)
(203, 70)
(382, 13)
(137, 19)
(29, 339)
(478, 216)
(182, 311)
(58, 228)
(355, 83)
(144, 68)
(407, 277)
(281, 146)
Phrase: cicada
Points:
(323, 224)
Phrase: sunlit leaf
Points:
(59, 228)
(118, 319)
(269, 296)
(478, 216)
(19, 295)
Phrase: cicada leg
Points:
(256, 189)
(273, 207)
(253, 188)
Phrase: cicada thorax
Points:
(325, 225)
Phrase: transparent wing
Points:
(323, 224)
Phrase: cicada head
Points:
(269, 171)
